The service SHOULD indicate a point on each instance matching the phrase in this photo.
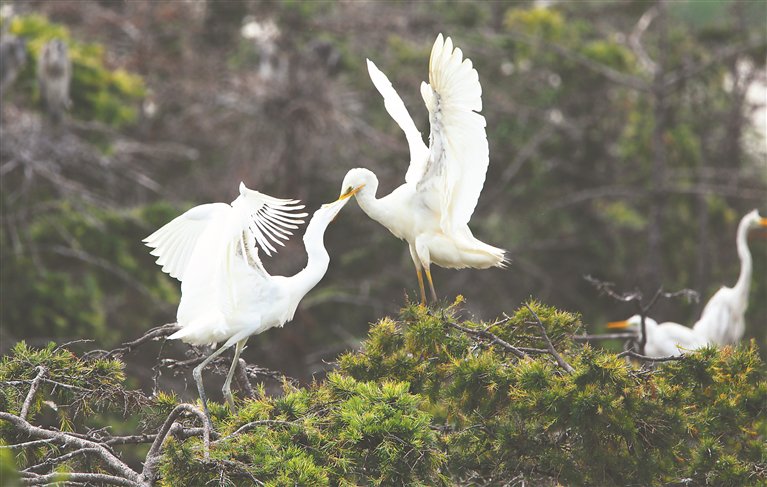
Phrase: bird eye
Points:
(349, 189)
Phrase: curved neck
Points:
(367, 200)
(317, 260)
(744, 279)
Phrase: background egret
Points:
(226, 294)
(431, 211)
(723, 318)
(665, 339)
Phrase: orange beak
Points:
(618, 324)
(351, 193)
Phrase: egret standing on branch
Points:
(723, 319)
(226, 294)
(431, 211)
(665, 339)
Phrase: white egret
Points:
(226, 294)
(723, 318)
(665, 339)
(431, 211)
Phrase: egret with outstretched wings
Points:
(226, 294)
(431, 211)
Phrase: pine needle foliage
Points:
(435, 399)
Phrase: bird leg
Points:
(197, 374)
(227, 389)
(420, 285)
(431, 285)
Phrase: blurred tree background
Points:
(627, 138)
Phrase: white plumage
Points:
(665, 339)
(432, 209)
(226, 294)
(723, 318)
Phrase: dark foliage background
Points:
(627, 139)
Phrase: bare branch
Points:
(153, 456)
(604, 336)
(635, 40)
(90, 478)
(41, 371)
(553, 351)
(129, 476)
(631, 353)
(62, 458)
(488, 336)
(153, 334)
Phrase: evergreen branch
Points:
(128, 475)
(41, 371)
(553, 351)
(488, 336)
(153, 456)
(27, 444)
(638, 356)
(61, 458)
(88, 478)
(253, 424)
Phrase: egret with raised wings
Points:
(431, 211)
(665, 339)
(226, 294)
(723, 319)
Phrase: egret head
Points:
(633, 324)
(355, 180)
(754, 220)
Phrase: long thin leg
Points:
(431, 285)
(420, 286)
(227, 389)
(197, 374)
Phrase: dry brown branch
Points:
(155, 333)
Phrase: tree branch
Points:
(153, 456)
(41, 371)
(129, 476)
(553, 351)
(488, 336)
(89, 478)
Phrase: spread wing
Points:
(396, 108)
(254, 220)
(458, 150)
(175, 242)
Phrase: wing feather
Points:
(459, 153)
(253, 220)
(397, 110)
(174, 243)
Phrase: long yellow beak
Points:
(763, 222)
(618, 324)
(351, 192)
